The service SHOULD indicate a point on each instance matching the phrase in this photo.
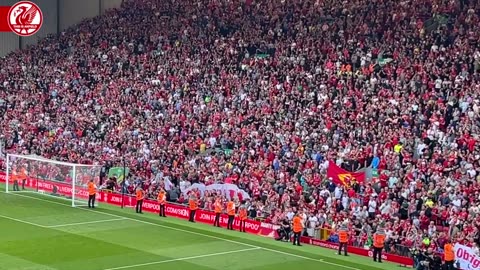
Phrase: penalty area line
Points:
(85, 223)
(183, 259)
(322, 261)
(23, 221)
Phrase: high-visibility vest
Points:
(161, 198)
(91, 188)
(231, 208)
(193, 204)
(449, 253)
(139, 195)
(379, 239)
(243, 214)
(22, 175)
(297, 224)
(342, 236)
(218, 207)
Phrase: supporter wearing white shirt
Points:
(385, 207)
(338, 192)
(304, 218)
(324, 166)
(438, 83)
(372, 206)
(212, 141)
(472, 172)
(420, 148)
(290, 214)
(325, 193)
(345, 202)
(312, 223)
(329, 201)
(357, 211)
(457, 202)
(183, 185)
(392, 181)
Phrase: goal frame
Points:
(40, 158)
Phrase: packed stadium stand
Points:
(268, 95)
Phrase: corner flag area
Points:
(44, 233)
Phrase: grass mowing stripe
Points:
(195, 233)
(185, 258)
(84, 223)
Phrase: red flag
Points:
(4, 19)
(343, 177)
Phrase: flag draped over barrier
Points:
(344, 177)
(230, 191)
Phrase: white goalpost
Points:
(30, 173)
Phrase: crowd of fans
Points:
(265, 93)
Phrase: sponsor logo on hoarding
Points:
(176, 211)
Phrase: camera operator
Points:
(426, 260)
(284, 231)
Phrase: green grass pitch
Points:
(39, 232)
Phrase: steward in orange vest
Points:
(449, 255)
(231, 214)
(242, 214)
(378, 243)
(297, 229)
(92, 193)
(218, 212)
(140, 195)
(193, 204)
(15, 176)
(23, 176)
(162, 199)
(343, 239)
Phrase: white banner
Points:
(466, 258)
(227, 190)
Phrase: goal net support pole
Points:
(74, 178)
(8, 173)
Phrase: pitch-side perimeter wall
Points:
(203, 216)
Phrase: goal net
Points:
(29, 173)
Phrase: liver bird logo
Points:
(346, 179)
(25, 18)
(24, 15)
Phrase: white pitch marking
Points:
(196, 233)
(23, 221)
(184, 258)
(84, 223)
